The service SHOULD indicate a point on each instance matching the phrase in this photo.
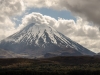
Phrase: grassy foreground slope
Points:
(79, 65)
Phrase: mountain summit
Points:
(36, 40)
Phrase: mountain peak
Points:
(37, 40)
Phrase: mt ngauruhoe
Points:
(36, 40)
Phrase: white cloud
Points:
(79, 31)
(6, 28)
(54, 4)
(9, 9)
(38, 18)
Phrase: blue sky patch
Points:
(53, 13)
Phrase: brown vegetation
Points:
(84, 65)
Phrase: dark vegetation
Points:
(72, 65)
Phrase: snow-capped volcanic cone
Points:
(36, 40)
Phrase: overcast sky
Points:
(77, 19)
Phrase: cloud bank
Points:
(87, 9)
(8, 9)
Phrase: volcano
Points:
(36, 41)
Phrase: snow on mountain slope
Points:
(36, 40)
